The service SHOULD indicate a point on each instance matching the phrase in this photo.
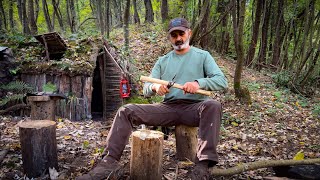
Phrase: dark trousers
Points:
(205, 114)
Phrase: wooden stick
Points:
(175, 85)
(260, 164)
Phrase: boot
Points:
(104, 170)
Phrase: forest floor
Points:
(277, 125)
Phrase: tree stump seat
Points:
(146, 155)
(38, 146)
(186, 142)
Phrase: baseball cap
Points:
(178, 24)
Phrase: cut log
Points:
(38, 146)
(186, 142)
(146, 155)
(42, 107)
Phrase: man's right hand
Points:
(160, 89)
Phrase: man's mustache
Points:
(178, 43)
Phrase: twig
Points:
(177, 170)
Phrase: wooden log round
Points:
(146, 155)
(42, 107)
(38, 146)
(186, 142)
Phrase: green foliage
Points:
(277, 94)
(253, 86)
(49, 87)
(316, 110)
(143, 100)
(282, 78)
(137, 100)
(17, 87)
(16, 91)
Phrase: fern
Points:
(17, 87)
(11, 98)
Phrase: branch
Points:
(261, 164)
(85, 21)
(215, 24)
(14, 108)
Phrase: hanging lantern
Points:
(124, 88)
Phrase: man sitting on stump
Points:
(195, 69)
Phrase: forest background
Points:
(281, 36)
(278, 38)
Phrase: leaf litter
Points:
(277, 125)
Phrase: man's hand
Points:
(190, 87)
(160, 89)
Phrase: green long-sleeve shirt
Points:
(195, 65)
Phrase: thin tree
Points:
(164, 10)
(32, 20)
(126, 25)
(107, 17)
(278, 35)
(196, 29)
(238, 16)
(264, 34)
(136, 17)
(149, 17)
(25, 24)
(255, 32)
(47, 15)
(57, 12)
(3, 16)
(11, 21)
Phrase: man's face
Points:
(180, 39)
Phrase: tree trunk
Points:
(196, 29)
(26, 29)
(164, 10)
(238, 15)
(149, 11)
(3, 15)
(255, 32)
(57, 12)
(204, 26)
(47, 15)
(183, 8)
(19, 7)
(278, 35)
(225, 37)
(136, 17)
(107, 15)
(36, 14)
(264, 35)
(11, 15)
(73, 16)
(118, 13)
(306, 48)
(99, 16)
(126, 25)
(32, 21)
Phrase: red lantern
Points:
(124, 88)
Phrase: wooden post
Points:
(186, 142)
(42, 107)
(146, 155)
(38, 146)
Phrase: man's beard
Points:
(180, 45)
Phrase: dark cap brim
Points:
(180, 28)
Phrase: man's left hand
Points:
(190, 87)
